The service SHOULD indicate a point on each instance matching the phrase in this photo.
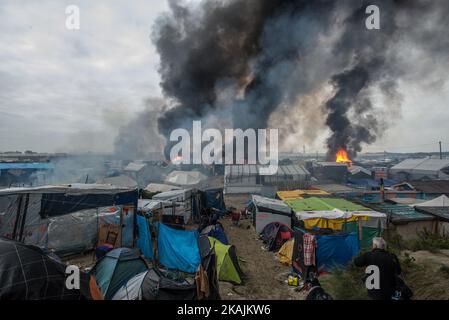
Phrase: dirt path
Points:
(265, 276)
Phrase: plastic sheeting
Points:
(144, 242)
(73, 232)
(79, 231)
(178, 249)
(336, 250)
(213, 198)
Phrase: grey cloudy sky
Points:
(63, 90)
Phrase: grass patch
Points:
(345, 283)
(425, 240)
(429, 241)
(444, 270)
(427, 281)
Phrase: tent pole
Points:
(19, 208)
(360, 229)
(24, 215)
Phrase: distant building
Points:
(246, 179)
(357, 172)
(420, 169)
(380, 173)
(331, 172)
(432, 189)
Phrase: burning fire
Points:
(177, 160)
(342, 157)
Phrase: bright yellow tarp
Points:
(298, 194)
(285, 253)
(334, 224)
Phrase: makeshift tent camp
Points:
(66, 218)
(155, 284)
(113, 270)
(266, 210)
(28, 273)
(275, 234)
(228, 267)
(178, 249)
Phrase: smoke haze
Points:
(258, 63)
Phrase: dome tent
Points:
(156, 284)
(275, 234)
(116, 268)
(228, 267)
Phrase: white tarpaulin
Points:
(441, 201)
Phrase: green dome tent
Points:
(228, 268)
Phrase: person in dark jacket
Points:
(389, 269)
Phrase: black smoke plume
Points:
(242, 60)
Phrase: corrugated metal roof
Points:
(74, 188)
(135, 166)
(402, 213)
(434, 186)
(422, 164)
(439, 212)
(247, 170)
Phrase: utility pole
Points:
(441, 153)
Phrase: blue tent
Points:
(178, 249)
(144, 241)
(336, 250)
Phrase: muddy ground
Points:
(265, 276)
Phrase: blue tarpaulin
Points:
(178, 249)
(336, 250)
(370, 183)
(26, 165)
(218, 233)
(144, 241)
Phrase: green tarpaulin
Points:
(323, 204)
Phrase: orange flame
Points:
(342, 157)
(177, 160)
